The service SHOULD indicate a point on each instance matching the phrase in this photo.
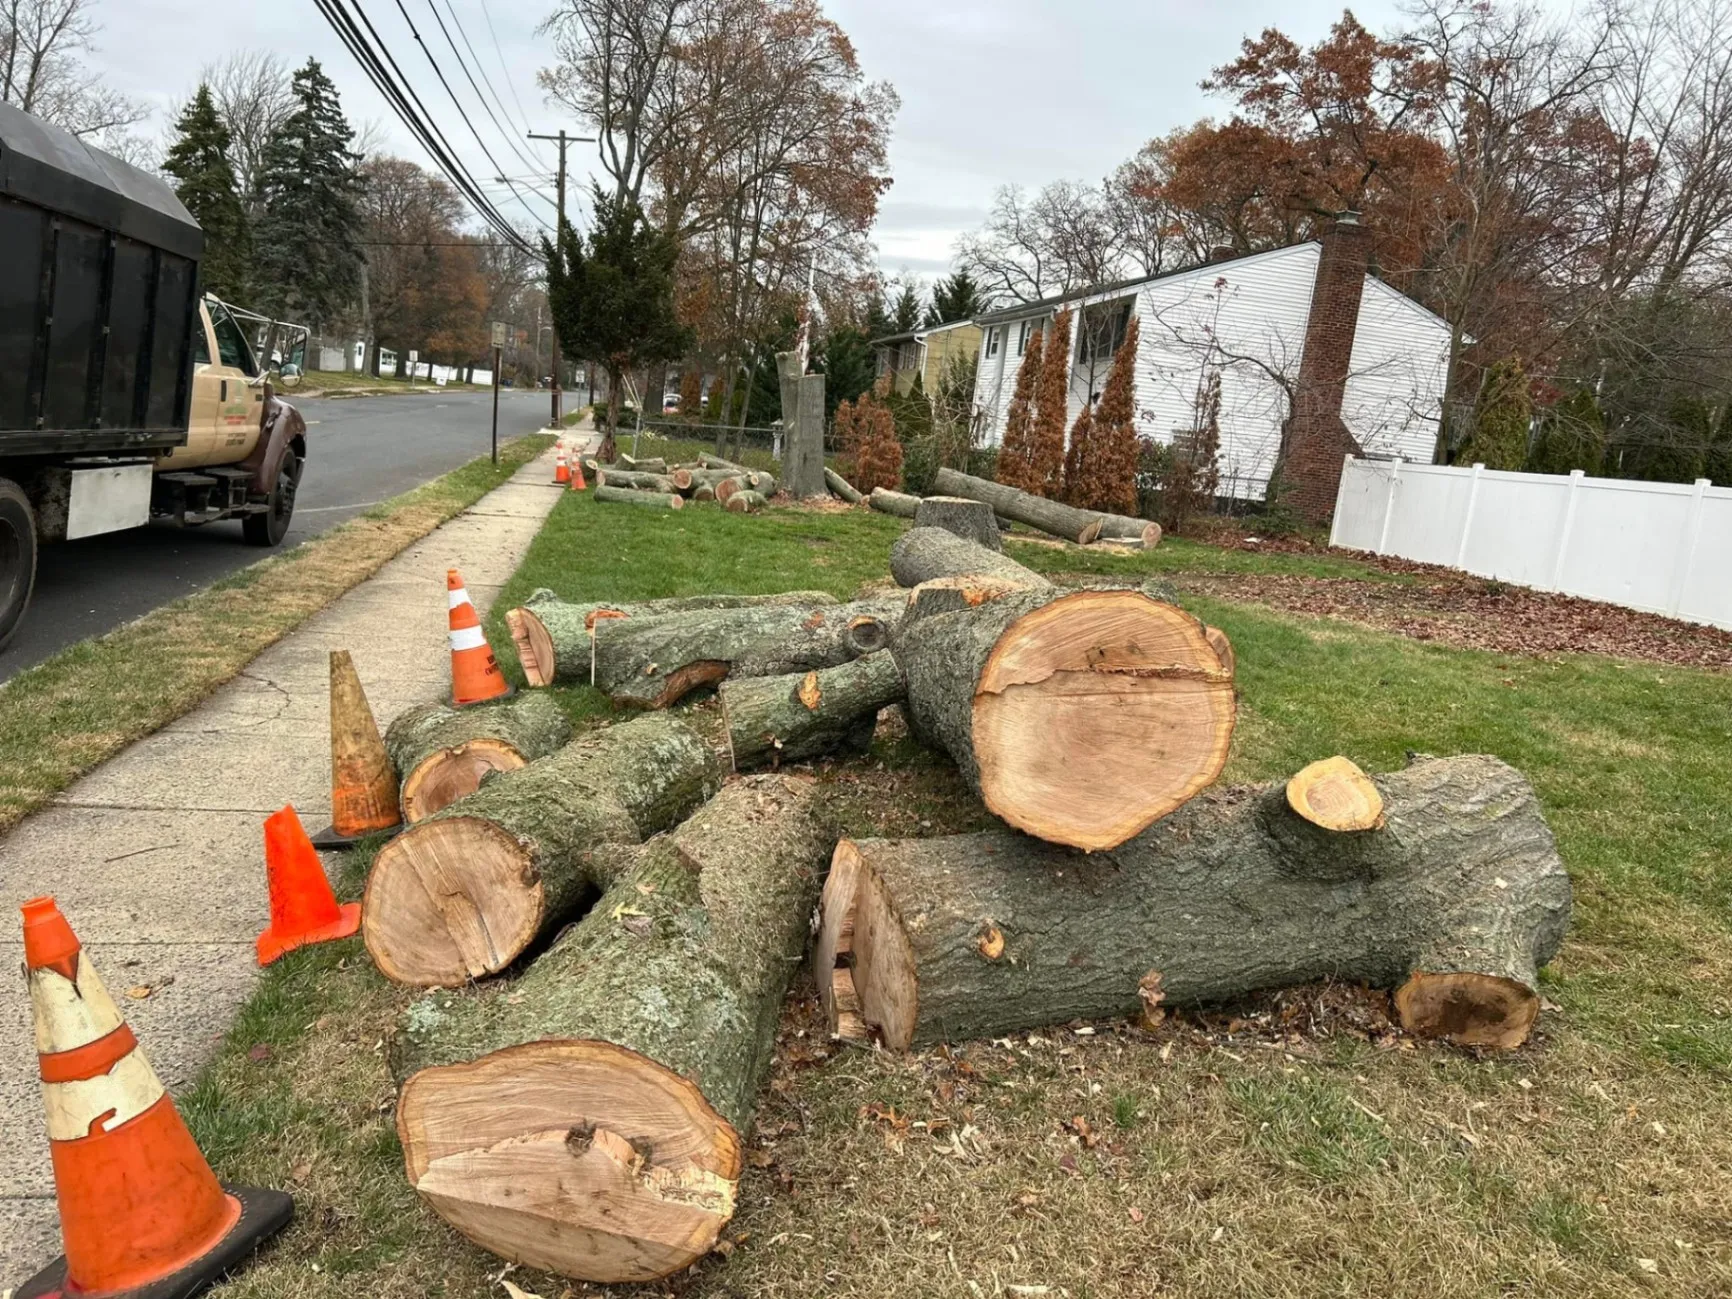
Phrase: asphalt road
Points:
(361, 450)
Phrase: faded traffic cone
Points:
(141, 1214)
(577, 483)
(561, 469)
(363, 781)
(303, 908)
(475, 676)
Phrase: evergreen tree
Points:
(1079, 456)
(1672, 449)
(1105, 476)
(1013, 465)
(957, 297)
(1572, 435)
(612, 298)
(1193, 474)
(1501, 419)
(198, 160)
(905, 315)
(1718, 463)
(878, 323)
(309, 254)
(1051, 411)
(847, 365)
(878, 462)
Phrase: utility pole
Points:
(563, 139)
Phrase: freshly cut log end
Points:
(1335, 794)
(631, 496)
(958, 594)
(445, 753)
(1468, 1009)
(747, 502)
(728, 487)
(452, 773)
(1123, 528)
(534, 645)
(580, 1157)
(793, 718)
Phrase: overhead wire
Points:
(522, 116)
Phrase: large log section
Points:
(1456, 902)
(922, 554)
(588, 1117)
(461, 894)
(791, 718)
(444, 753)
(1080, 526)
(1079, 717)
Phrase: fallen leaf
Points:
(139, 991)
(516, 1291)
(259, 1052)
(1136, 1214)
(300, 1172)
(1649, 1265)
(1150, 994)
(760, 1158)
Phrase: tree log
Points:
(631, 496)
(444, 753)
(898, 503)
(971, 520)
(1456, 903)
(588, 1117)
(637, 482)
(1079, 717)
(716, 462)
(792, 718)
(703, 492)
(921, 554)
(726, 487)
(553, 636)
(1122, 527)
(745, 502)
(841, 486)
(830, 637)
(1052, 517)
(461, 894)
(648, 465)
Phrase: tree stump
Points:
(971, 520)
(444, 753)
(796, 717)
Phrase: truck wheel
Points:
(270, 527)
(17, 556)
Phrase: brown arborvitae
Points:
(878, 463)
(1106, 477)
(1079, 459)
(1051, 408)
(846, 429)
(1013, 461)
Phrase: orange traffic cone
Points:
(577, 483)
(141, 1214)
(363, 781)
(303, 908)
(561, 470)
(475, 677)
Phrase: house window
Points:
(1024, 332)
(1103, 330)
(992, 343)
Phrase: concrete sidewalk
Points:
(157, 857)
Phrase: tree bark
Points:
(444, 753)
(832, 636)
(1080, 526)
(1079, 717)
(971, 520)
(553, 636)
(1456, 903)
(717, 462)
(639, 482)
(745, 503)
(901, 504)
(841, 486)
(648, 465)
(922, 554)
(588, 1117)
(793, 718)
(1122, 527)
(631, 496)
(803, 455)
(461, 894)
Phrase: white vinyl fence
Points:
(1661, 547)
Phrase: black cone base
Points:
(331, 839)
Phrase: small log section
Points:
(637, 481)
(462, 894)
(1336, 795)
(841, 486)
(648, 465)
(1122, 527)
(552, 636)
(709, 461)
(1079, 717)
(971, 520)
(772, 720)
(1051, 517)
(445, 753)
(588, 1117)
(631, 496)
(1456, 903)
(922, 554)
(745, 503)
(828, 637)
(900, 504)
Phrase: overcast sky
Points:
(993, 92)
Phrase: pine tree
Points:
(878, 463)
(905, 315)
(1572, 435)
(956, 297)
(308, 240)
(198, 160)
(1193, 473)
(1501, 419)
(1012, 468)
(1051, 411)
(1105, 477)
(847, 364)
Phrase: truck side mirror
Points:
(290, 375)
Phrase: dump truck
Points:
(127, 393)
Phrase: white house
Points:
(1250, 319)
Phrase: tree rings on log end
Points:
(534, 646)
(1467, 1009)
(444, 776)
(573, 1155)
(450, 900)
(1097, 714)
(1335, 794)
(860, 935)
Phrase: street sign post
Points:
(498, 344)
(414, 356)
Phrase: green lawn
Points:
(1214, 1157)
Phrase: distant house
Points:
(1301, 336)
(924, 352)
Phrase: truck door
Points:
(206, 392)
(226, 402)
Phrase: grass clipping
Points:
(75, 710)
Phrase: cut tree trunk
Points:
(1223, 647)
(971, 520)
(1079, 717)
(703, 492)
(631, 496)
(922, 554)
(1122, 527)
(654, 662)
(716, 462)
(841, 486)
(1335, 794)
(745, 503)
(588, 1118)
(1456, 903)
(793, 718)
(553, 636)
(444, 753)
(648, 465)
(900, 504)
(728, 486)
(637, 482)
(463, 893)
(1058, 520)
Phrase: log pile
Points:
(654, 483)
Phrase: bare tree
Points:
(252, 94)
(43, 72)
(1065, 237)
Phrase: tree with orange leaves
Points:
(878, 462)
(1051, 407)
(1101, 469)
(1012, 468)
(1079, 457)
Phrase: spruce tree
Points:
(905, 314)
(204, 180)
(847, 364)
(956, 297)
(1051, 412)
(1012, 467)
(308, 238)
(1501, 419)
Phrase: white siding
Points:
(995, 381)
(1395, 385)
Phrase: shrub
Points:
(878, 462)
(1572, 435)
(1101, 473)
(1193, 470)
(1502, 418)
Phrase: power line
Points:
(509, 131)
(510, 85)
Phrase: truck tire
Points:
(271, 526)
(17, 557)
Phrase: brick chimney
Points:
(1317, 439)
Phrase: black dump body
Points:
(98, 293)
